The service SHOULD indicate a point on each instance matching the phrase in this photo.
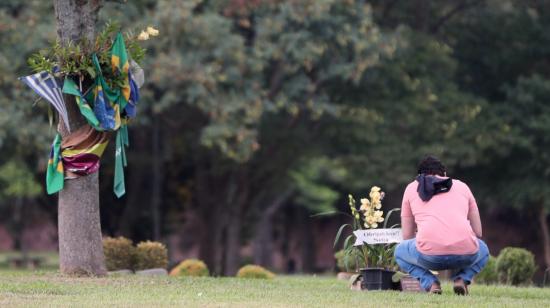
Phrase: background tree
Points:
(22, 146)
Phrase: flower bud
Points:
(143, 36)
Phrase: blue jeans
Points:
(419, 265)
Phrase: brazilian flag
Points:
(120, 160)
(105, 100)
(54, 173)
(69, 87)
(120, 64)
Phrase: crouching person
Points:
(441, 229)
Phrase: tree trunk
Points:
(210, 211)
(19, 219)
(18, 224)
(263, 246)
(233, 244)
(134, 195)
(80, 246)
(543, 222)
(237, 197)
(156, 196)
(263, 241)
(307, 242)
(211, 240)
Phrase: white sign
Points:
(377, 236)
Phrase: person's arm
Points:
(408, 226)
(473, 216)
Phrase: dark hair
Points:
(431, 165)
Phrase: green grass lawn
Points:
(50, 289)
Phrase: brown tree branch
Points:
(462, 6)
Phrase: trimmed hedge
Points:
(151, 255)
(190, 267)
(488, 274)
(515, 266)
(254, 271)
(119, 252)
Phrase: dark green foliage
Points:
(488, 274)
(120, 253)
(515, 266)
(151, 255)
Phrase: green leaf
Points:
(347, 241)
(388, 215)
(339, 233)
(91, 71)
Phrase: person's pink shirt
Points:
(442, 222)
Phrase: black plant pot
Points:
(377, 279)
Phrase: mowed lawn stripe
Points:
(49, 289)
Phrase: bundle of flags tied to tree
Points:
(106, 108)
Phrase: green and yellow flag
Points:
(54, 173)
(69, 87)
(119, 62)
(120, 160)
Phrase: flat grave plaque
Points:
(410, 284)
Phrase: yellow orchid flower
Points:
(143, 36)
(375, 198)
(152, 31)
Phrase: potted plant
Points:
(378, 258)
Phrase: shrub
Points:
(254, 271)
(119, 253)
(350, 262)
(151, 255)
(515, 266)
(190, 267)
(489, 273)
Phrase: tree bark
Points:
(237, 198)
(209, 209)
(80, 246)
(307, 243)
(543, 222)
(18, 221)
(156, 196)
(233, 244)
(263, 241)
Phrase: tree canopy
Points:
(251, 107)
